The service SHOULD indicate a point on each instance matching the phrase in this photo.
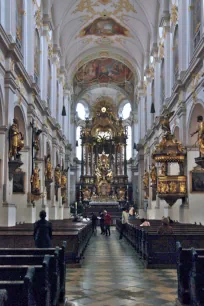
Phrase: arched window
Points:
(19, 23)
(176, 54)
(80, 109)
(162, 94)
(126, 111)
(37, 57)
(129, 142)
(78, 143)
(196, 10)
(49, 82)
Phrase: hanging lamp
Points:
(152, 111)
(64, 110)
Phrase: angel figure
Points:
(153, 174)
(164, 122)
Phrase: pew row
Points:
(3, 297)
(190, 271)
(159, 251)
(35, 256)
(76, 235)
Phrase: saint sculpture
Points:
(16, 141)
(200, 132)
(35, 181)
(58, 176)
(48, 169)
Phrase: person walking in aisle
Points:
(94, 222)
(101, 215)
(124, 221)
(107, 222)
(43, 232)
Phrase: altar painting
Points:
(104, 26)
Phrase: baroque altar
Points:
(103, 162)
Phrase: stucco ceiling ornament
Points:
(104, 2)
(194, 84)
(38, 18)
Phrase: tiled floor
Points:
(112, 275)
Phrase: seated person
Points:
(132, 213)
(144, 222)
(165, 228)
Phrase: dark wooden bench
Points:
(36, 257)
(3, 297)
(22, 290)
(159, 251)
(184, 266)
(196, 279)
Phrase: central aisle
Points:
(112, 275)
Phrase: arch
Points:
(197, 110)
(21, 121)
(81, 110)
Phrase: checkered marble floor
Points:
(112, 275)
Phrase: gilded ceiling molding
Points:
(174, 14)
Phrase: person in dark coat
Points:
(94, 222)
(43, 232)
(102, 223)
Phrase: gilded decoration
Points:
(200, 140)
(104, 2)
(170, 187)
(104, 26)
(35, 181)
(16, 141)
(153, 174)
(38, 18)
(174, 14)
(194, 84)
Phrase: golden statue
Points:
(48, 169)
(16, 140)
(163, 169)
(146, 180)
(173, 187)
(182, 187)
(200, 132)
(35, 180)
(153, 174)
(121, 194)
(58, 175)
(86, 194)
(63, 180)
(165, 123)
(163, 188)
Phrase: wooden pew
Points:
(3, 297)
(37, 256)
(196, 279)
(22, 262)
(159, 251)
(76, 236)
(184, 266)
(25, 285)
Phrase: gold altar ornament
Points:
(63, 180)
(169, 150)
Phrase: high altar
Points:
(103, 162)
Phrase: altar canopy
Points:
(104, 163)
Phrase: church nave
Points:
(113, 275)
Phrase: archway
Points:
(198, 110)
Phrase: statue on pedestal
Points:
(58, 176)
(48, 169)
(153, 174)
(200, 132)
(35, 180)
(36, 142)
(16, 141)
(146, 180)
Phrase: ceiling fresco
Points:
(104, 71)
(104, 27)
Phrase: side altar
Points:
(103, 163)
